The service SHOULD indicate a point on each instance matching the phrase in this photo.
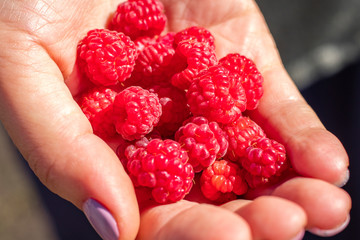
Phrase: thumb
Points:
(56, 139)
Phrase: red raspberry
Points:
(264, 159)
(152, 65)
(222, 181)
(107, 57)
(241, 134)
(138, 18)
(162, 166)
(191, 57)
(174, 109)
(123, 144)
(196, 33)
(221, 137)
(97, 105)
(136, 111)
(256, 181)
(167, 40)
(251, 78)
(118, 144)
(205, 142)
(217, 95)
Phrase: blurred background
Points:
(319, 42)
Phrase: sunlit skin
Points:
(37, 84)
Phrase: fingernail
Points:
(345, 179)
(101, 220)
(299, 236)
(330, 232)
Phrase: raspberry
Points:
(205, 142)
(142, 42)
(152, 65)
(137, 18)
(143, 86)
(264, 159)
(256, 181)
(136, 111)
(167, 40)
(217, 95)
(196, 33)
(241, 134)
(174, 111)
(191, 57)
(222, 181)
(118, 144)
(97, 105)
(251, 78)
(163, 167)
(221, 137)
(107, 57)
(122, 145)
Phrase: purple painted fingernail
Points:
(299, 236)
(101, 220)
(345, 179)
(330, 232)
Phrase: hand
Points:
(37, 71)
(39, 39)
(317, 156)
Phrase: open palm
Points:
(38, 81)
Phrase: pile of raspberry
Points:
(176, 112)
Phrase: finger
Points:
(285, 115)
(271, 217)
(55, 137)
(187, 220)
(327, 207)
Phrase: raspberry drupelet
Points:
(217, 95)
(107, 57)
(137, 18)
(251, 78)
(222, 181)
(135, 112)
(163, 167)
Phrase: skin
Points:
(38, 82)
